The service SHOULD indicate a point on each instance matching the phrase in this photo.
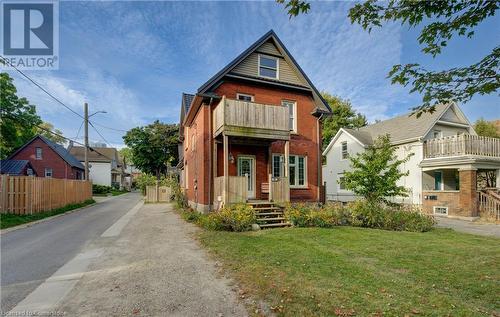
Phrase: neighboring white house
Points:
(105, 165)
(448, 156)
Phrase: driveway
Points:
(32, 254)
(472, 227)
(145, 264)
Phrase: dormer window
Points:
(268, 66)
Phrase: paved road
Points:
(31, 255)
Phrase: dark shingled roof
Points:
(13, 167)
(186, 101)
(59, 149)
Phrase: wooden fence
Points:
(158, 194)
(237, 192)
(28, 194)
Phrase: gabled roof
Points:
(59, 149)
(405, 128)
(321, 104)
(187, 99)
(95, 154)
(14, 167)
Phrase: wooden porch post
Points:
(226, 168)
(287, 171)
(214, 169)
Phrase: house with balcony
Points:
(453, 171)
(252, 132)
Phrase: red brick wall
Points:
(305, 142)
(460, 203)
(50, 159)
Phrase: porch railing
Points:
(279, 190)
(237, 190)
(489, 205)
(237, 117)
(463, 144)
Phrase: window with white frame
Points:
(297, 169)
(292, 111)
(440, 210)
(193, 142)
(244, 97)
(437, 134)
(268, 66)
(345, 153)
(38, 153)
(48, 172)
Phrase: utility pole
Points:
(86, 123)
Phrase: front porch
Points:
(244, 172)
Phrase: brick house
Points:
(448, 160)
(49, 159)
(252, 131)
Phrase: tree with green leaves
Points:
(154, 147)
(343, 116)
(18, 118)
(486, 128)
(55, 135)
(126, 154)
(376, 171)
(439, 22)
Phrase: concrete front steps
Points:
(269, 215)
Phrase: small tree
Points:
(376, 172)
(486, 128)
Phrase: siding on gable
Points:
(445, 130)
(451, 116)
(250, 66)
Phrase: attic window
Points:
(268, 66)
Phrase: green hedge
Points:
(359, 214)
(238, 217)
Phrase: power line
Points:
(43, 89)
(105, 127)
(103, 138)
(79, 129)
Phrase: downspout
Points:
(210, 149)
(320, 172)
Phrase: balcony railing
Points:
(462, 145)
(250, 119)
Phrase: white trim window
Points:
(292, 110)
(437, 134)
(38, 153)
(244, 97)
(440, 210)
(297, 169)
(345, 152)
(48, 172)
(268, 66)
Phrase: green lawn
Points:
(349, 271)
(9, 220)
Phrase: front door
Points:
(246, 167)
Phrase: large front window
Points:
(297, 169)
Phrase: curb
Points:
(29, 224)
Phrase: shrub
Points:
(310, 215)
(239, 217)
(397, 218)
(101, 189)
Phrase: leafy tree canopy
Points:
(343, 116)
(153, 147)
(440, 20)
(18, 117)
(56, 135)
(486, 128)
(126, 154)
(375, 172)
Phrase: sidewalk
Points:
(153, 268)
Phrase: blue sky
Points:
(134, 59)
